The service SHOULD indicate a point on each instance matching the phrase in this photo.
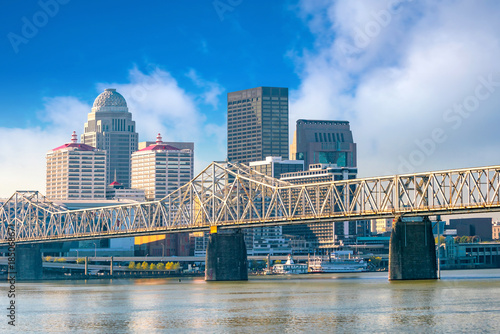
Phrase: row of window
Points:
(328, 137)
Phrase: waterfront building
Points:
(383, 225)
(323, 141)
(199, 243)
(76, 171)
(266, 240)
(453, 255)
(110, 127)
(160, 169)
(116, 190)
(495, 231)
(175, 244)
(276, 166)
(481, 227)
(257, 124)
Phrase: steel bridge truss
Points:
(231, 195)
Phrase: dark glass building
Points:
(257, 124)
(325, 142)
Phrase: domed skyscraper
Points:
(110, 127)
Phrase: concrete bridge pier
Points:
(28, 263)
(412, 251)
(226, 256)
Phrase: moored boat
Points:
(290, 267)
(337, 264)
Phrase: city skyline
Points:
(418, 81)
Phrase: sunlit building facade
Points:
(76, 171)
(110, 127)
(160, 169)
(257, 124)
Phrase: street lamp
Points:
(95, 250)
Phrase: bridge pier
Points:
(28, 265)
(226, 256)
(412, 251)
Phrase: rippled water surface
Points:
(462, 301)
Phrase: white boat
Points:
(337, 264)
(290, 267)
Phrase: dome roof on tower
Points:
(110, 100)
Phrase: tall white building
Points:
(110, 127)
(76, 171)
(160, 169)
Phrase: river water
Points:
(461, 302)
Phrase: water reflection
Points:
(414, 303)
(317, 303)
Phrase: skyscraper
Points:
(76, 171)
(325, 142)
(257, 124)
(110, 127)
(160, 169)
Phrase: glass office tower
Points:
(257, 124)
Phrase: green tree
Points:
(176, 266)
(144, 265)
(441, 240)
(464, 239)
(47, 258)
(131, 265)
(80, 260)
(375, 261)
(152, 266)
(138, 266)
(277, 262)
(160, 266)
(253, 264)
(61, 259)
(168, 266)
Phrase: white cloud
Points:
(22, 161)
(213, 89)
(396, 86)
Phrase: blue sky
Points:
(418, 80)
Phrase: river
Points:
(462, 301)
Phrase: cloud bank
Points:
(419, 81)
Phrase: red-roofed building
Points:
(160, 169)
(76, 171)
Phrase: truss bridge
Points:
(230, 195)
